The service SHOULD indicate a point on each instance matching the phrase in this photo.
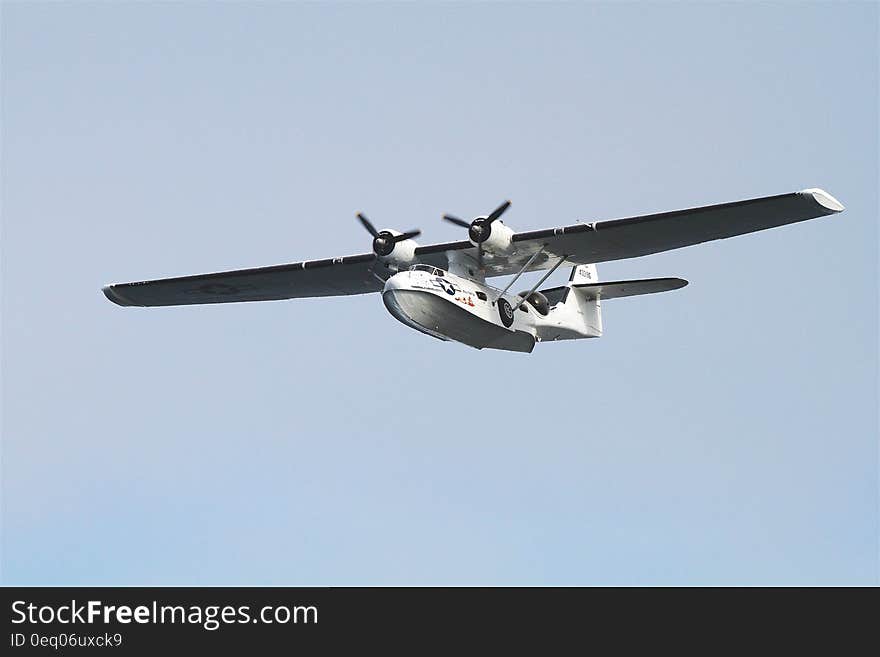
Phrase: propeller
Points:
(384, 241)
(480, 228)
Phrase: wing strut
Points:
(538, 284)
(520, 273)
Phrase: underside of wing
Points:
(316, 278)
(494, 264)
(617, 289)
(582, 243)
(618, 239)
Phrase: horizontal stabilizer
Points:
(616, 289)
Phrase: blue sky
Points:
(725, 433)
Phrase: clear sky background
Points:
(725, 433)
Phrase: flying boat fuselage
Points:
(451, 307)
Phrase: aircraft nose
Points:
(396, 282)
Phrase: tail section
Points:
(576, 315)
(589, 309)
(577, 306)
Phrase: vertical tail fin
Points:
(589, 309)
(584, 274)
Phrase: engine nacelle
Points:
(402, 253)
(487, 233)
(498, 240)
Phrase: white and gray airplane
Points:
(441, 289)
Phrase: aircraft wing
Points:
(315, 278)
(581, 243)
(618, 239)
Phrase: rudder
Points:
(589, 309)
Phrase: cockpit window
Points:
(428, 268)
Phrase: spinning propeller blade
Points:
(406, 236)
(369, 226)
(456, 221)
(497, 212)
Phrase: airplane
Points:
(441, 289)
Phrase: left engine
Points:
(392, 246)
